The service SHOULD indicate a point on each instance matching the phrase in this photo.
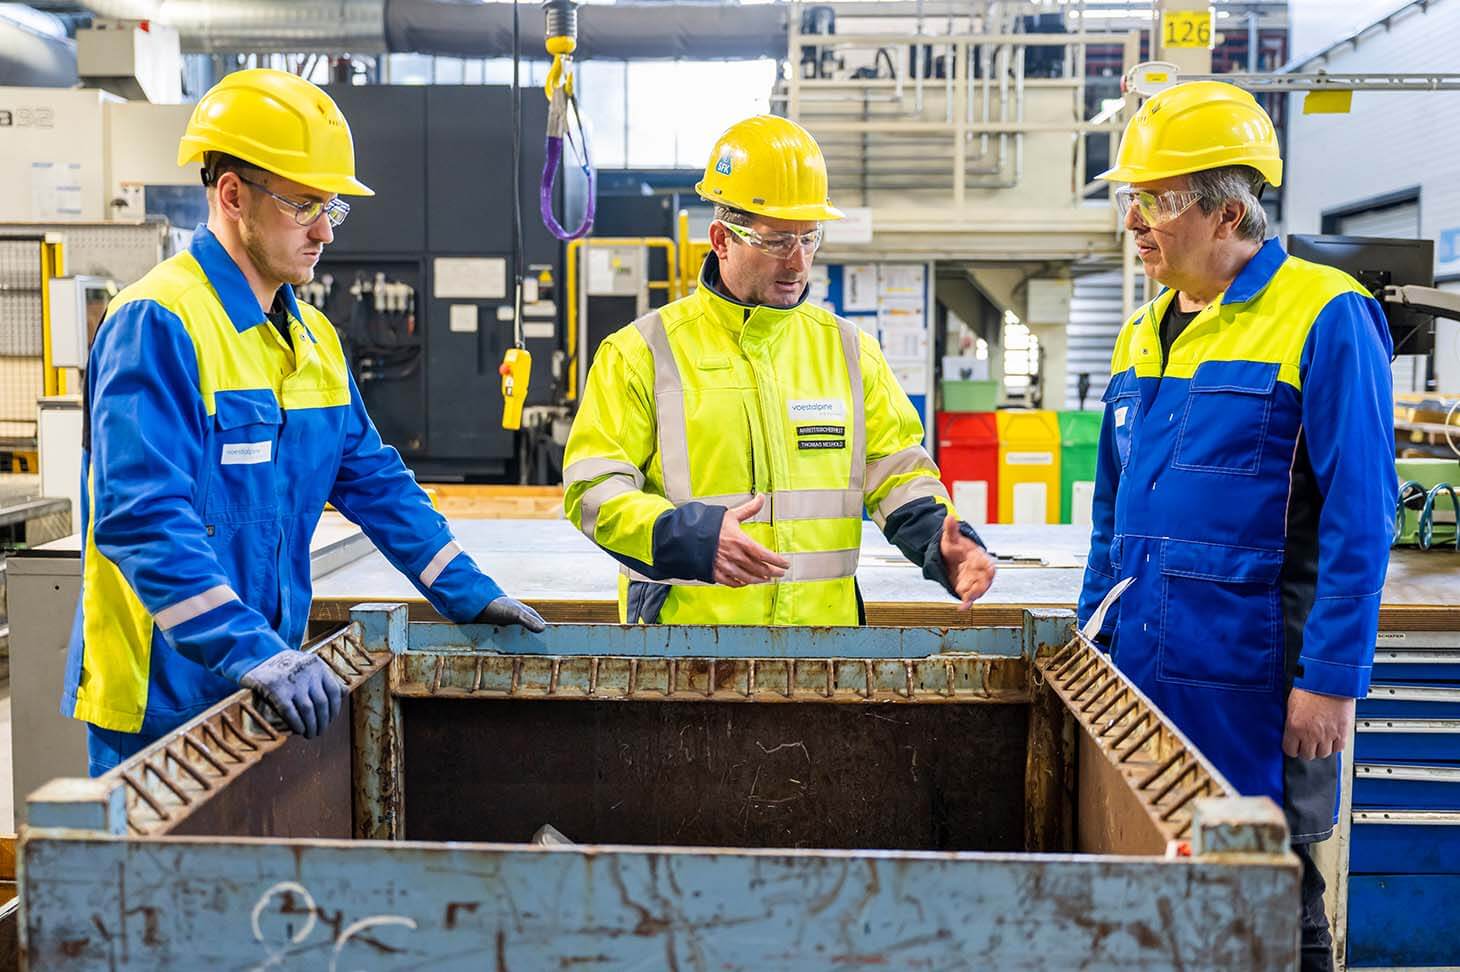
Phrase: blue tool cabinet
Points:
(1401, 909)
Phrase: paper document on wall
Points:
(905, 342)
(859, 287)
(55, 190)
(901, 280)
(483, 278)
(462, 319)
(912, 376)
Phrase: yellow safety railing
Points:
(673, 283)
(692, 254)
(53, 264)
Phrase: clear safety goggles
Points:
(778, 245)
(1154, 208)
(305, 213)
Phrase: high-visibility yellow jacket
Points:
(700, 405)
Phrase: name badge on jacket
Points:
(247, 453)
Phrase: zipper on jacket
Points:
(750, 450)
(760, 397)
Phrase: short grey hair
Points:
(1234, 183)
(729, 214)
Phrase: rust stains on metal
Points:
(456, 906)
(935, 679)
(168, 781)
(1153, 758)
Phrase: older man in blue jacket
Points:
(1246, 470)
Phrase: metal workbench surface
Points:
(548, 560)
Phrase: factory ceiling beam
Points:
(474, 30)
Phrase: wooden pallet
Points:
(458, 501)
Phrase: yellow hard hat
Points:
(1195, 126)
(769, 166)
(279, 122)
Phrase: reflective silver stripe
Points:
(817, 504)
(586, 470)
(852, 348)
(189, 608)
(912, 459)
(820, 565)
(796, 504)
(595, 497)
(669, 403)
(735, 499)
(906, 493)
(438, 563)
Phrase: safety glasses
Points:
(305, 213)
(1155, 208)
(778, 245)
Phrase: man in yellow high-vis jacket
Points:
(728, 442)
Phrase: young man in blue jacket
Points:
(1246, 470)
(222, 416)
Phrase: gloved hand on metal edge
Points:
(505, 610)
(301, 688)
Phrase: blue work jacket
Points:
(210, 448)
(1248, 486)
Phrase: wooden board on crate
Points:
(1424, 425)
(458, 501)
(7, 868)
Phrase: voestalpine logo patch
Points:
(816, 409)
(723, 166)
(247, 453)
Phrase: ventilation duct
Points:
(441, 27)
(34, 49)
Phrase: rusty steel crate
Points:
(733, 798)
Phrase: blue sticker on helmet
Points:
(723, 166)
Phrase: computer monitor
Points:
(1376, 263)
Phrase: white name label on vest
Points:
(1120, 414)
(247, 453)
(804, 409)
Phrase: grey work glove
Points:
(301, 688)
(504, 611)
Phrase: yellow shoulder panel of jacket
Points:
(227, 359)
(325, 382)
(1278, 320)
(1120, 358)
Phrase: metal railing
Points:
(959, 131)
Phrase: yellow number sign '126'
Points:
(1186, 28)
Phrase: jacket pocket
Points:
(242, 484)
(1221, 615)
(1123, 399)
(1228, 406)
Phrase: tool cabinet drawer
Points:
(1388, 700)
(1415, 841)
(1406, 786)
(1407, 741)
(1403, 920)
(1438, 664)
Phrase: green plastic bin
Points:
(970, 396)
(1079, 440)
